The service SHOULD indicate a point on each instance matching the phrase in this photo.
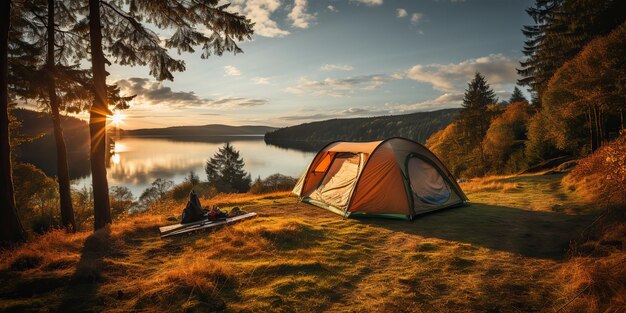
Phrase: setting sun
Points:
(117, 118)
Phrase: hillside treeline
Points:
(35, 134)
(416, 126)
(576, 74)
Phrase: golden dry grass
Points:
(504, 253)
(490, 183)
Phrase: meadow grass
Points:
(506, 252)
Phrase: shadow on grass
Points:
(538, 234)
(81, 294)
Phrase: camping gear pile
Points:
(396, 177)
(194, 212)
(195, 218)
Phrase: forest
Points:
(312, 136)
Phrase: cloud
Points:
(416, 17)
(402, 13)
(238, 102)
(444, 101)
(260, 12)
(497, 68)
(447, 100)
(230, 70)
(338, 87)
(369, 2)
(299, 15)
(154, 93)
(261, 80)
(336, 67)
(332, 8)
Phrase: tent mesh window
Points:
(427, 183)
(339, 180)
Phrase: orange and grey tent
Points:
(396, 177)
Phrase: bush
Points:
(181, 191)
(36, 197)
(273, 183)
(158, 191)
(602, 175)
(121, 198)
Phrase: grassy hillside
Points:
(504, 253)
(416, 126)
(204, 130)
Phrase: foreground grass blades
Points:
(504, 253)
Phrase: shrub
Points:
(257, 186)
(273, 183)
(121, 198)
(602, 175)
(36, 196)
(181, 191)
(158, 190)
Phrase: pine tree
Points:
(475, 116)
(118, 27)
(10, 227)
(562, 28)
(46, 50)
(225, 171)
(517, 96)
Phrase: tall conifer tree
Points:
(117, 27)
(475, 116)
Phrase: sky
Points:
(313, 60)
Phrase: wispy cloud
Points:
(402, 13)
(336, 67)
(416, 18)
(369, 2)
(338, 87)
(497, 68)
(153, 93)
(261, 80)
(260, 12)
(230, 70)
(299, 16)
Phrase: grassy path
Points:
(500, 254)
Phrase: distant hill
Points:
(312, 136)
(204, 130)
(42, 151)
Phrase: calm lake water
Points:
(137, 161)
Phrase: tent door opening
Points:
(338, 182)
(427, 184)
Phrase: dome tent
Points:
(396, 177)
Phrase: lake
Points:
(135, 162)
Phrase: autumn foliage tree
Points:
(561, 29)
(505, 139)
(587, 91)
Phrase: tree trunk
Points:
(10, 227)
(590, 130)
(97, 121)
(65, 196)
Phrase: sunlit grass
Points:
(295, 257)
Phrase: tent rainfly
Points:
(396, 177)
